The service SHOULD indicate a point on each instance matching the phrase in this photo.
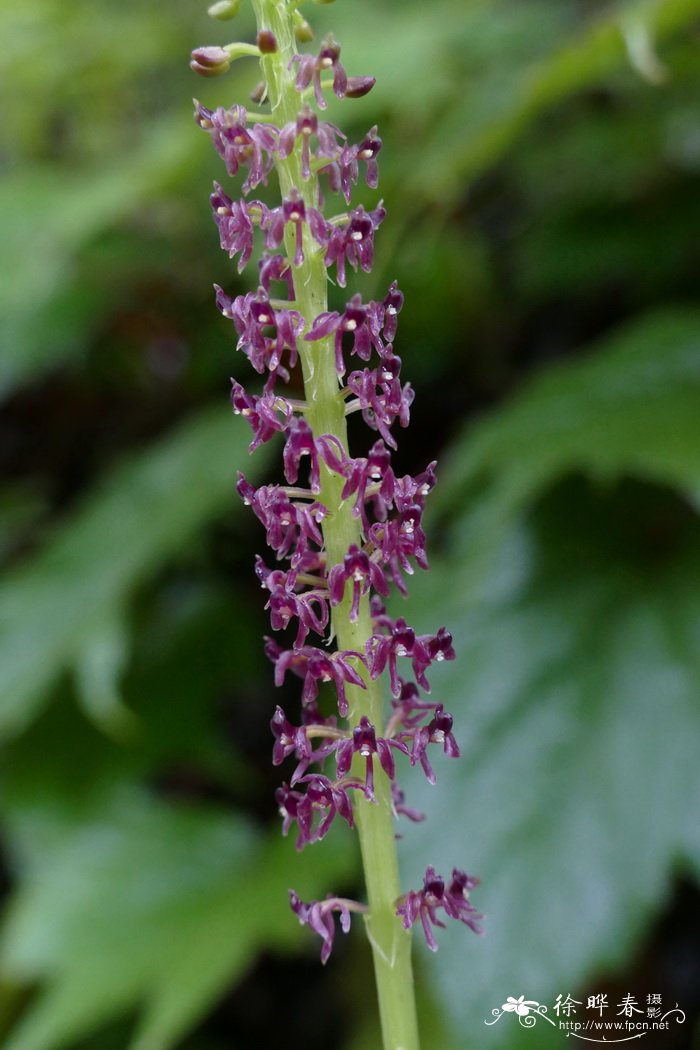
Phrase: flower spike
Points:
(343, 525)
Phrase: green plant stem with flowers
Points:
(391, 944)
(344, 545)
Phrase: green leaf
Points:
(103, 655)
(148, 905)
(630, 407)
(575, 702)
(90, 202)
(480, 127)
(141, 515)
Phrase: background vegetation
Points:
(541, 171)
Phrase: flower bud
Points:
(302, 30)
(267, 42)
(210, 61)
(259, 93)
(223, 10)
(359, 86)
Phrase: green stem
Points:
(391, 944)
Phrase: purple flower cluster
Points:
(272, 333)
(453, 899)
(318, 916)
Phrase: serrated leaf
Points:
(575, 702)
(146, 511)
(150, 906)
(630, 407)
(99, 663)
(526, 58)
(90, 202)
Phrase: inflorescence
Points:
(336, 762)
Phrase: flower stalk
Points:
(356, 528)
(391, 946)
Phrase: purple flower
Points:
(438, 731)
(362, 571)
(310, 68)
(400, 640)
(453, 900)
(251, 147)
(300, 442)
(393, 301)
(367, 152)
(353, 241)
(290, 526)
(398, 801)
(318, 916)
(343, 170)
(431, 649)
(315, 665)
(362, 322)
(308, 590)
(294, 740)
(440, 645)
(329, 798)
(369, 478)
(384, 649)
(294, 211)
(381, 397)
(364, 742)
(254, 317)
(292, 807)
(409, 709)
(290, 740)
(235, 222)
(329, 139)
(286, 603)
(398, 540)
(457, 904)
(315, 808)
(262, 413)
(276, 268)
(408, 490)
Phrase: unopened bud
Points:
(359, 86)
(267, 42)
(223, 10)
(210, 61)
(259, 93)
(302, 30)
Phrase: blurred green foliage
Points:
(540, 167)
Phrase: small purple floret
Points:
(453, 900)
(318, 915)
(312, 584)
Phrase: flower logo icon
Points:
(520, 1006)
